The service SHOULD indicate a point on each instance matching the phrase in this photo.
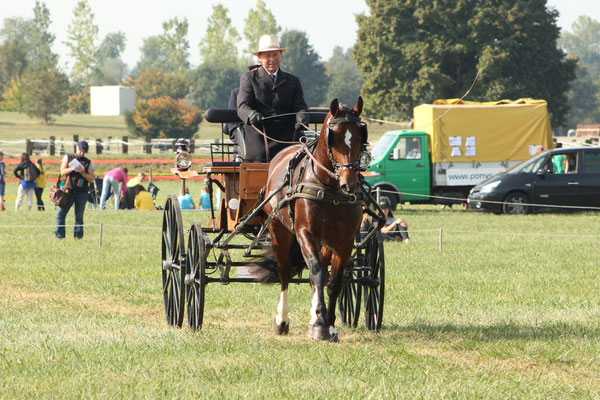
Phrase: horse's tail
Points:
(266, 269)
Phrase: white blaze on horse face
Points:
(283, 308)
(347, 138)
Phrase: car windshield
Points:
(382, 145)
(531, 165)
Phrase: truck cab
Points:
(401, 163)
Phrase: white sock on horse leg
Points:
(283, 308)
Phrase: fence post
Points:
(147, 146)
(125, 146)
(28, 146)
(99, 146)
(108, 140)
(441, 239)
(192, 146)
(52, 146)
(75, 139)
(173, 145)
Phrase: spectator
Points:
(394, 229)
(186, 201)
(137, 180)
(112, 179)
(27, 185)
(204, 199)
(143, 199)
(79, 171)
(41, 185)
(2, 181)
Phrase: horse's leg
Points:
(334, 287)
(281, 239)
(318, 327)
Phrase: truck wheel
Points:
(515, 203)
(390, 193)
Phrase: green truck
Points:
(454, 146)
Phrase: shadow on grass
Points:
(500, 331)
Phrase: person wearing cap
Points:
(268, 92)
(79, 173)
(394, 229)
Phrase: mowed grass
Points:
(508, 309)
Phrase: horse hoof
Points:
(319, 332)
(282, 329)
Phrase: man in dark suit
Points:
(265, 92)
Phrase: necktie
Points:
(273, 78)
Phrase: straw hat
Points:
(268, 43)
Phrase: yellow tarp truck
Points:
(457, 144)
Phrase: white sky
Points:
(327, 23)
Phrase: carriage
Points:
(209, 255)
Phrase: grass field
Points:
(509, 309)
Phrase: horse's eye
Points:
(365, 160)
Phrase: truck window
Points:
(407, 149)
(382, 146)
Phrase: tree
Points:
(112, 46)
(163, 117)
(151, 54)
(584, 43)
(220, 71)
(83, 35)
(45, 92)
(410, 52)
(14, 37)
(345, 82)
(260, 21)
(301, 60)
(174, 45)
(40, 39)
(219, 45)
(212, 85)
(152, 83)
(12, 95)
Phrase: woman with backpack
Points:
(27, 172)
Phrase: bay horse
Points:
(316, 215)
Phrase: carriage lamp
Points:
(364, 160)
(183, 159)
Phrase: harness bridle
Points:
(332, 122)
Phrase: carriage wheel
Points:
(173, 262)
(375, 283)
(349, 300)
(196, 278)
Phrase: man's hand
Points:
(255, 118)
(302, 117)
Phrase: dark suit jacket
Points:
(258, 93)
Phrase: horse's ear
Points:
(334, 107)
(359, 105)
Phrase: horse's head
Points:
(346, 140)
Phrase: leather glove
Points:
(302, 117)
(255, 118)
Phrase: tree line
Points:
(407, 52)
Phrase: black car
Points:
(564, 177)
